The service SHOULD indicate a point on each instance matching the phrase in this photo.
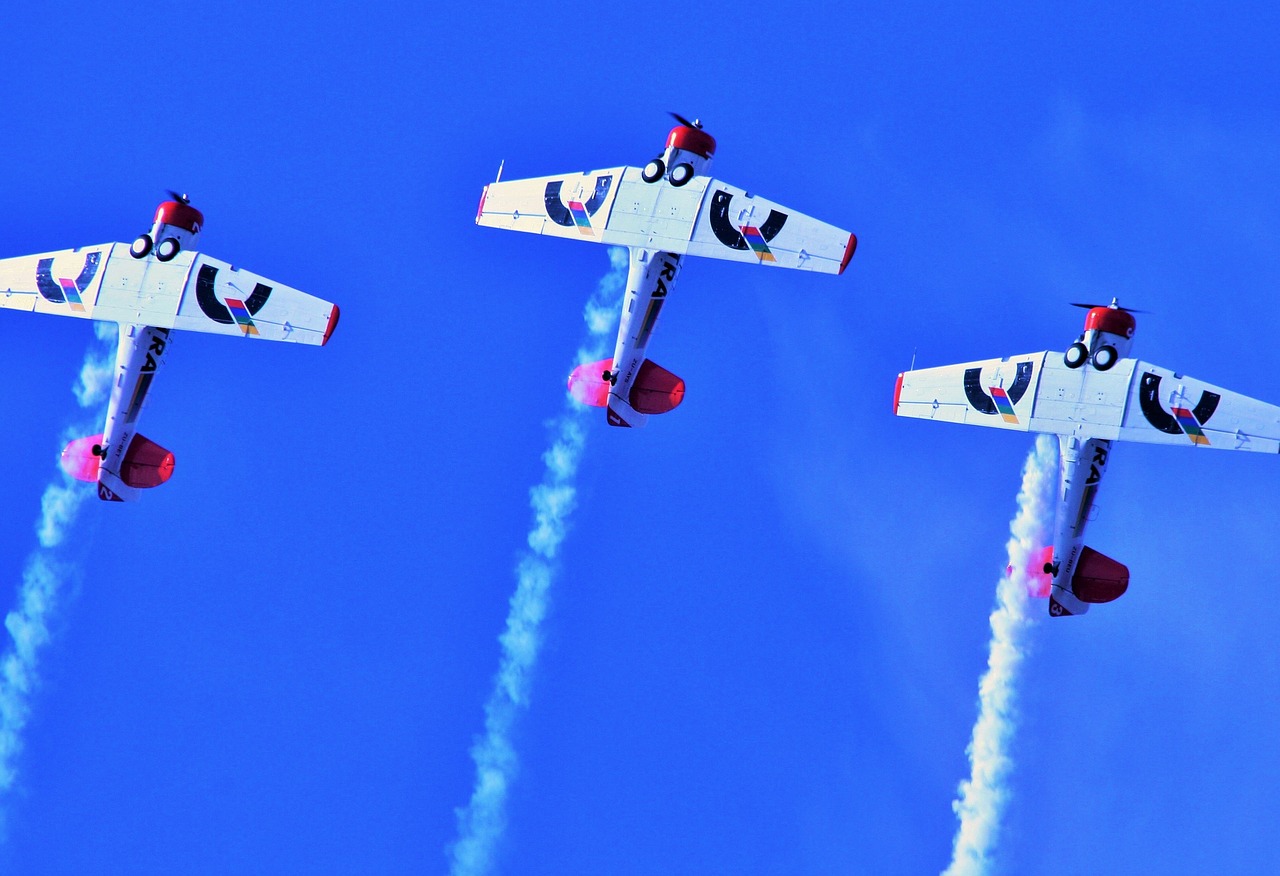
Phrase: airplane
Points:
(1089, 396)
(155, 285)
(661, 212)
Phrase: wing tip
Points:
(333, 324)
(848, 252)
(897, 392)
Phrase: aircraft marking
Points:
(758, 244)
(241, 315)
(578, 213)
(985, 404)
(730, 236)
(1181, 421)
(217, 311)
(66, 291)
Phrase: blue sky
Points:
(771, 611)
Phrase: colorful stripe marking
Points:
(72, 294)
(650, 320)
(758, 244)
(1191, 426)
(1003, 405)
(580, 218)
(240, 314)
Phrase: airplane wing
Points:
(191, 292)
(993, 392)
(705, 217)
(1133, 401)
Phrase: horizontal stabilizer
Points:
(1098, 578)
(656, 390)
(146, 464)
(587, 384)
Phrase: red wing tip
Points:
(897, 392)
(333, 324)
(848, 252)
(480, 209)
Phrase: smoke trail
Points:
(982, 796)
(43, 575)
(481, 822)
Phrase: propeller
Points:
(696, 123)
(1114, 305)
(181, 199)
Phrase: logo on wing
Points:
(746, 236)
(1182, 421)
(1002, 399)
(236, 311)
(578, 213)
(64, 290)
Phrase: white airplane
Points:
(157, 284)
(1089, 396)
(662, 212)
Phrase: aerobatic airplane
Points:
(157, 284)
(1089, 396)
(662, 212)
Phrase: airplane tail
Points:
(655, 390)
(145, 464)
(1097, 578)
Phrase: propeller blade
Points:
(181, 199)
(1117, 307)
(688, 124)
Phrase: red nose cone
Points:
(1111, 320)
(692, 140)
(181, 215)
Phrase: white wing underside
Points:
(705, 217)
(192, 292)
(1133, 401)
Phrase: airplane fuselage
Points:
(1083, 459)
(652, 275)
(140, 352)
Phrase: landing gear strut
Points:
(99, 450)
(1051, 569)
(611, 377)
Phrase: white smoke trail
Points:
(43, 575)
(982, 796)
(481, 822)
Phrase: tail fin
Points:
(145, 464)
(1098, 578)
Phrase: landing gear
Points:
(1077, 354)
(653, 171)
(681, 174)
(167, 249)
(1051, 569)
(140, 247)
(1104, 357)
(99, 450)
(610, 377)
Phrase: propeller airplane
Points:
(1089, 396)
(150, 288)
(661, 212)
